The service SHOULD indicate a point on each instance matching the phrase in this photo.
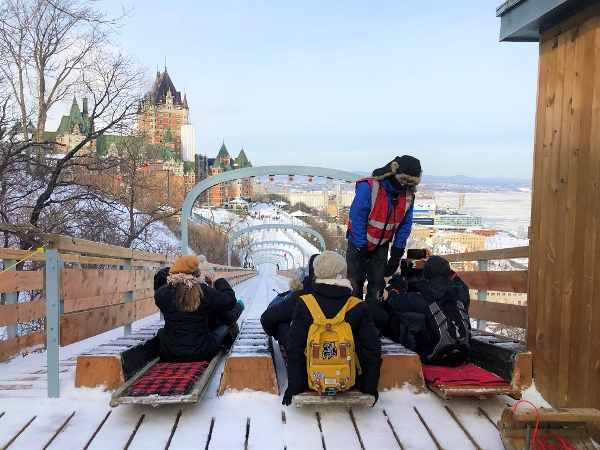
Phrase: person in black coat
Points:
(191, 332)
(276, 319)
(216, 317)
(331, 290)
(408, 305)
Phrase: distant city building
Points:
(424, 211)
(225, 193)
(162, 113)
(419, 232)
(321, 199)
(458, 220)
(188, 142)
(472, 242)
(73, 129)
(512, 298)
(485, 232)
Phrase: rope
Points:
(37, 250)
(543, 443)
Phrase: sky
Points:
(345, 84)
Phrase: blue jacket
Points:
(361, 208)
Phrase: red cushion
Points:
(168, 379)
(466, 374)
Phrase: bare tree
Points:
(50, 49)
(211, 241)
(138, 194)
(45, 46)
(333, 236)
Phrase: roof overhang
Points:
(525, 20)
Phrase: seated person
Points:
(408, 303)
(378, 311)
(277, 317)
(332, 290)
(197, 316)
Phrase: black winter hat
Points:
(406, 169)
(436, 266)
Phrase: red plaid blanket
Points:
(466, 374)
(168, 379)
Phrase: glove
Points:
(287, 400)
(398, 283)
(362, 259)
(241, 303)
(394, 261)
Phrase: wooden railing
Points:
(504, 281)
(77, 289)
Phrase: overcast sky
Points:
(346, 84)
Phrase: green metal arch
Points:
(277, 226)
(249, 172)
(275, 252)
(293, 244)
(274, 259)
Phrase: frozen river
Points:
(507, 211)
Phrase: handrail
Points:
(486, 255)
(69, 244)
(79, 303)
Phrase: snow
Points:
(260, 214)
(235, 415)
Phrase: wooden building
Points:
(563, 316)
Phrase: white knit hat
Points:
(206, 267)
(329, 265)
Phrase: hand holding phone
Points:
(416, 253)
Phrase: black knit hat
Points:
(436, 266)
(406, 169)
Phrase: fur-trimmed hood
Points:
(406, 169)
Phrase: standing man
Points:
(381, 212)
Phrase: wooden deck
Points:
(82, 418)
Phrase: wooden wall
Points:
(563, 323)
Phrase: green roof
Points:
(242, 160)
(104, 142)
(75, 118)
(50, 136)
(223, 151)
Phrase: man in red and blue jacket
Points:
(381, 212)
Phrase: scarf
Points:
(182, 279)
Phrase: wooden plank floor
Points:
(217, 423)
(82, 418)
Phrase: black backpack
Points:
(445, 338)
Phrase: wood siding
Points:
(563, 323)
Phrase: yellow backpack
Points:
(331, 359)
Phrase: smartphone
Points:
(416, 253)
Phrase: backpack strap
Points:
(317, 313)
(463, 311)
(350, 303)
(313, 307)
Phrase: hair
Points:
(188, 297)
(355, 291)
